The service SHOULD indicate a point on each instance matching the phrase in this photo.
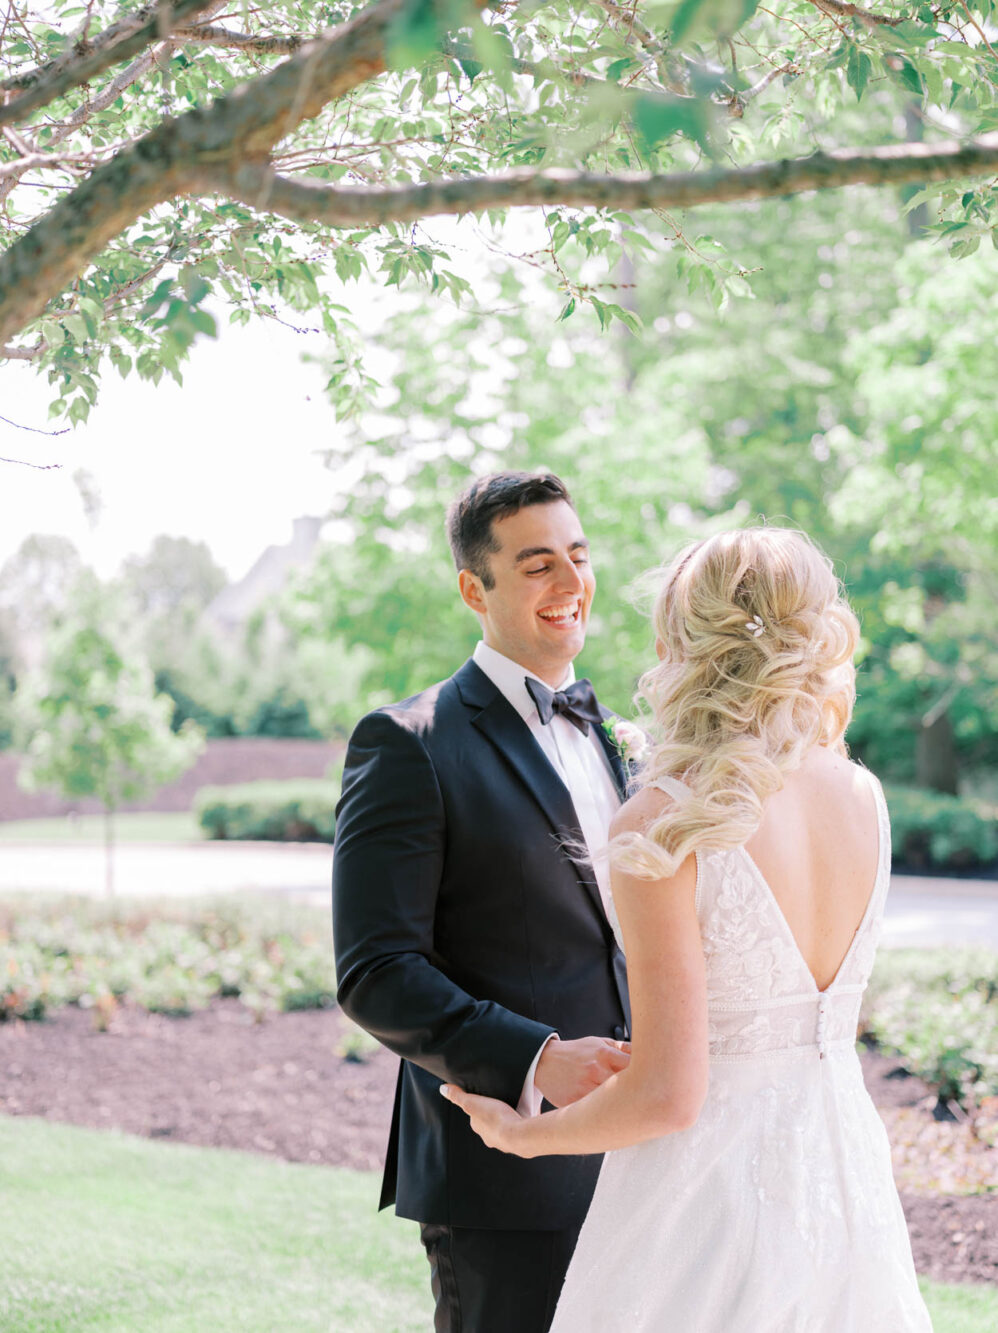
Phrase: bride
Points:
(747, 1186)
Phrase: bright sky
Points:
(229, 459)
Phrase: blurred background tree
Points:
(90, 722)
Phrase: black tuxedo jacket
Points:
(465, 934)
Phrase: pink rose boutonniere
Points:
(631, 742)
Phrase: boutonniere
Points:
(631, 742)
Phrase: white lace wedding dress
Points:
(776, 1212)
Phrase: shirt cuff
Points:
(530, 1098)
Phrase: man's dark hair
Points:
(500, 494)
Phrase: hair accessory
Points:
(755, 626)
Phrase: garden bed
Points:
(285, 1087)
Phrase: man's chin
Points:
(571, 644)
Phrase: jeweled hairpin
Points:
(755, 626)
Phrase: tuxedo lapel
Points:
(496, 718)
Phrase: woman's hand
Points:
(495, 1123)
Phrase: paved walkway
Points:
(920, 911)
(169, 869)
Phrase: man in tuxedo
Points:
(470, 927)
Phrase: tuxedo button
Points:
(619, 1033)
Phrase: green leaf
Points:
(471, 68)
(568, 309)
(413, 35)
(76, 327)
(657, 118)
(619, 67)
(716, 18)
(858, 69)
(910, 34)
(907, 75)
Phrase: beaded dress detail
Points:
(777, 1211)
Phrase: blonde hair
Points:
(756, 642)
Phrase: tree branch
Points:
(206, 35)
(245, 124)
(334, 206)
(840, 9)
(86, 59)
(129, 75)
(22, 353)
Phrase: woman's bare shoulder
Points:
(640, 810)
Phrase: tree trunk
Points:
(108, 852)
(935, 754)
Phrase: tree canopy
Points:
(158, 160)
(850, 398)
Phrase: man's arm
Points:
(388, 860)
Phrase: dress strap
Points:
(671, 786)
(884, 835)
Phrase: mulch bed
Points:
(285, 1087)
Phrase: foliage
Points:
(175, 577)
(762, 411)
(302, 810)
(263, 680)
(127, 271)
(930, 830)
(36, 584)
(92, 722)
(166, 959)
(938, 1009)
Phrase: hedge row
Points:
(299, 811)
(931, 831)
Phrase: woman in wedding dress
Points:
(747, 1186)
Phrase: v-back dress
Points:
(776, 1212)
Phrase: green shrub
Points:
(938, 1009)
(298, 811)
(930, 830)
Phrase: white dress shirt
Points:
(582, 765)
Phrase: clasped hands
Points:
(566, 1072)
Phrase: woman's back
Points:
(817, 848)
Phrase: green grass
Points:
(960, 1309)
(144, 826)
(119, 1234)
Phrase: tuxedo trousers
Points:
(496, 1281)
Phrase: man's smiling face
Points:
(537, 610)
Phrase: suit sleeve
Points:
(387, 867)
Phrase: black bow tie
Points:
(577, 702)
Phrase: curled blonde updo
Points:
(757, 642)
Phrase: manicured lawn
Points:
(961, 1309)
(116, 1233)
(140, 827)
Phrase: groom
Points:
(471, 932)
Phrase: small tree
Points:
(94, 724)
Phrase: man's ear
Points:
(472, 592)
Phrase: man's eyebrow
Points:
(529, 552)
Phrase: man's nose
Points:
(570, 578)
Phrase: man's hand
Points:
(567, 1070)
